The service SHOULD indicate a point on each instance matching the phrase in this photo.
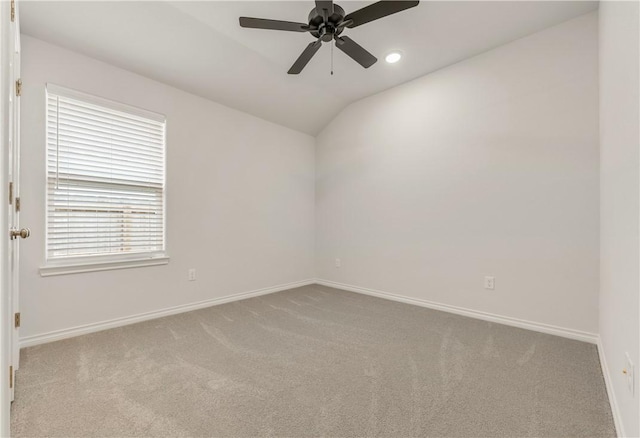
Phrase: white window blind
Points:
(105, 178)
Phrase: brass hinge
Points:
(19, 87)
(17, 320)
(13, 10)
(10, 376)
(17, 204)
(10, 193)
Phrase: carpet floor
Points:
(312, 361)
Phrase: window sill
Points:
(79, 267)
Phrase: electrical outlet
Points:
(629, 373)
(338, 263)
(490, 283)
(192, 274)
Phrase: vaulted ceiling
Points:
(199, 47)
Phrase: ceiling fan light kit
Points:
(327, 21)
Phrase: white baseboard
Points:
(118, 322)
(615, 411)
(506, 320)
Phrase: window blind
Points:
(105, 177)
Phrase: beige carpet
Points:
(312, 361)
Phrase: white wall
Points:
(620, 201)
(487, 167)
(240, 200)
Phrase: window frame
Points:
(91, 262)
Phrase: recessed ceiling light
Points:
(393, 57)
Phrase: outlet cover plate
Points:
(489, 282)
(630, 375)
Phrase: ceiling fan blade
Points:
(378, 10)
(324, 4)
(305, 57)
(355, 51)
(262, 23)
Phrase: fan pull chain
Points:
(331, 58)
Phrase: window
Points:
(105, 182)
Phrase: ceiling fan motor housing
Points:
(329, 29)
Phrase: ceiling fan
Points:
(327, 21)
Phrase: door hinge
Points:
(10, 193)
(17, 320)
(10, 376)
(13, 10)
(17, 204)
(19, 87)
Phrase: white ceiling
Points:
(199, 47)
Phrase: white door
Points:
(9, 154)
(15, 232)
